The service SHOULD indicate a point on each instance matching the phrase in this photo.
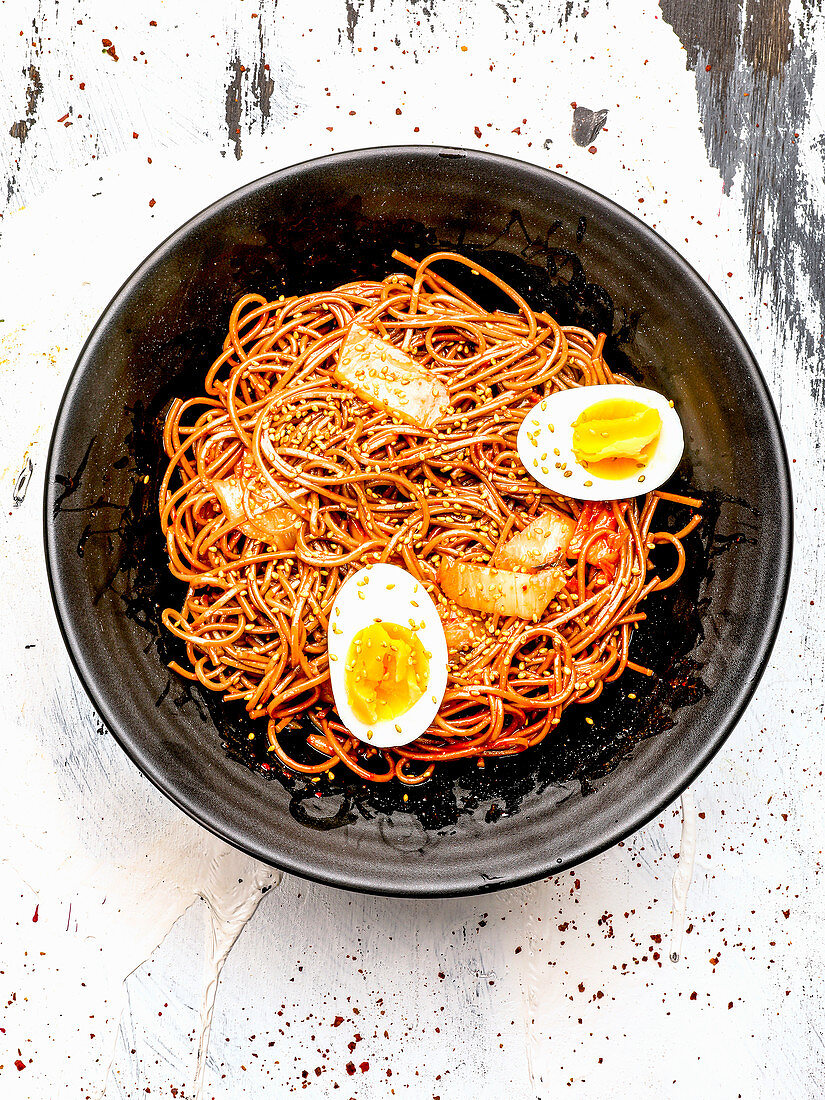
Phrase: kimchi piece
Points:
(390, 379)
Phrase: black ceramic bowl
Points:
(567, 250)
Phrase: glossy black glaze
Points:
(567, 250)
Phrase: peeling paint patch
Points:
(353, 9)
(233, 105)
(249, 93)
(21, 485)
(262, 83)
(587, 124)
(34, 90)
(754, 71)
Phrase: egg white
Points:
(388, 597)
(553, 418)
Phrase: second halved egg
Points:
(602, 442)
(388, 656)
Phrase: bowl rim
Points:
(677, 780)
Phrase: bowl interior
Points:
(566, 250)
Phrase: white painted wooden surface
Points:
(563, 984)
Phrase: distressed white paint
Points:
(517, 1012)
(682, 876)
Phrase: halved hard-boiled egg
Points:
(387, 656)
(602, 442)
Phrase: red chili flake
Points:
(693, 996)
(134, 135)
(36, 917)
(592, 149)
(337, 1021)
(364, 1066)
(517, 130)
(786, 913)
(82, 85)
(477, 131)
(106, 41)
(329, 128)
(398, 110)
(19, 1063)
(64, 117)
(581, 987)
(350, 1068)
(708, 68)
(657, 938)
(151, 202)
(153, 22)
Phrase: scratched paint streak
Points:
(683, 876)
(253, 99)
(531, 978)
(234, 105)
(755, 69)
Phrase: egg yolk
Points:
(386, 672)
(615, 438)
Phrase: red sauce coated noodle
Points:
(363, 488)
